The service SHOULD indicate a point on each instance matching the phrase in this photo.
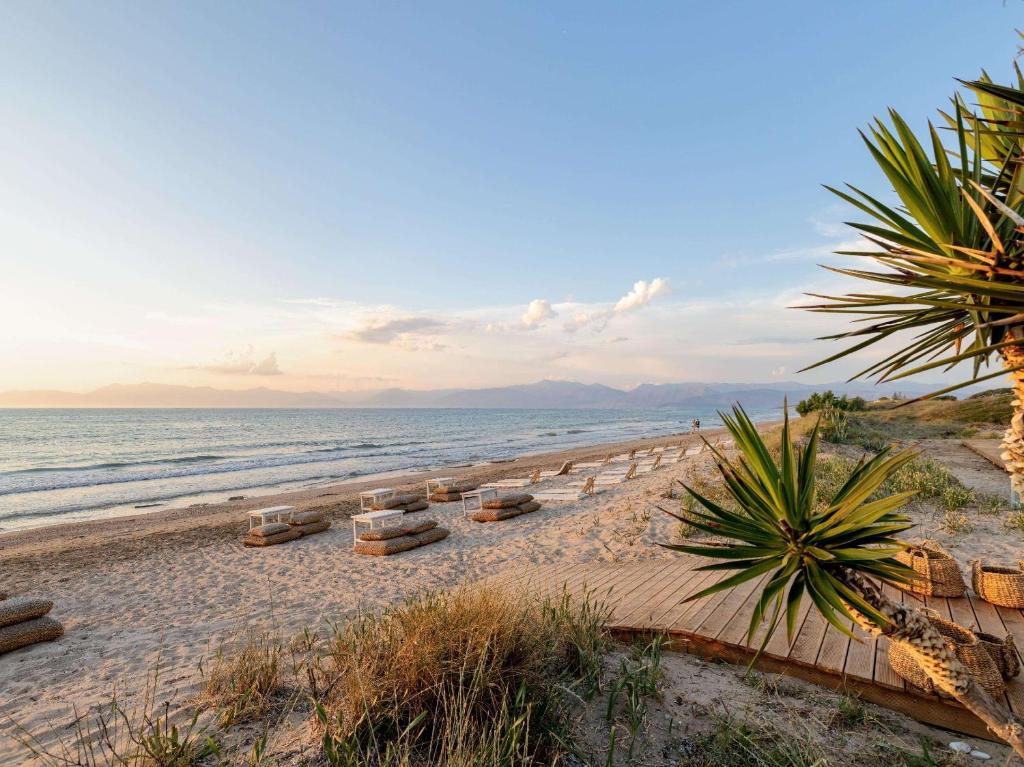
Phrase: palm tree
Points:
(834, 553)
(951, 252)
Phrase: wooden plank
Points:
(736, 599)
(1013, 620)
(860, 657)
(676, 579)
(675, 606)
(808, 641)
(832, 653)
(686, 617)
(636, 591)
(779, 645)
(735, 632)
(884, 675)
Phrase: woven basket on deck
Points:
(970, 651)
(1003, 652)
(938, 574)
(1003, 586)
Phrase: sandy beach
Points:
(164, 590)
(169, 587)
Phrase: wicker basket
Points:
(970, 651)
(1003, 652)
(1003, 586)
(938, 574)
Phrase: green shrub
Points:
(821, 400)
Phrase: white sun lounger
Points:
(575, 491)
(564, 469)
(648, 467)
(609, 478)
(579, 467)
(533, 479)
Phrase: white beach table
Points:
(269, 513)
(373, 519)
(481, 495)
(436, 482)
(369, 497)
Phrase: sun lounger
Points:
(647, 468)
(609, 478)
(674, 458)
(694, 451)
(562, 470)
(533, 479)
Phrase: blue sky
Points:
(353, 195)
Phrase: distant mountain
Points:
(543, 394)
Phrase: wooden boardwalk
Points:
(649, 597)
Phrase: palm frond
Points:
(778, 528)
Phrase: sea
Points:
(60, 465)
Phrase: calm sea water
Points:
(61, 465)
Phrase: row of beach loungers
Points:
(614, 470)
(492, 502)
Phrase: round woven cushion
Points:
(421, 527)
(383, 533)
(507, 501)
(495, 515)
(21, 609)
(416, 506)
(395, 502)
(445, 497)
(457, 489)
(529, 506)
(271, 528)
(305, 518)
(431, 534)
(29, 633)
(385, 548)
(313, 527)
(290, 534)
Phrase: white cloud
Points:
(244, 363)
(538, 311)
(642, 294)
(400, 330)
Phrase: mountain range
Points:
(543, 394)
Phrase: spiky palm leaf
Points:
(778, 527)
(951, 252)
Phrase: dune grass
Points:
(463, 677)
(243, 682)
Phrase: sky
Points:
(331, 196)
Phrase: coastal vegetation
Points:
(828, 399)
(836, 550)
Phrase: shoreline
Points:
(225, 518)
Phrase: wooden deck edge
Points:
(993, 459)
(928, 710)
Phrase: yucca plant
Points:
(834, 553)
(951, 252)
